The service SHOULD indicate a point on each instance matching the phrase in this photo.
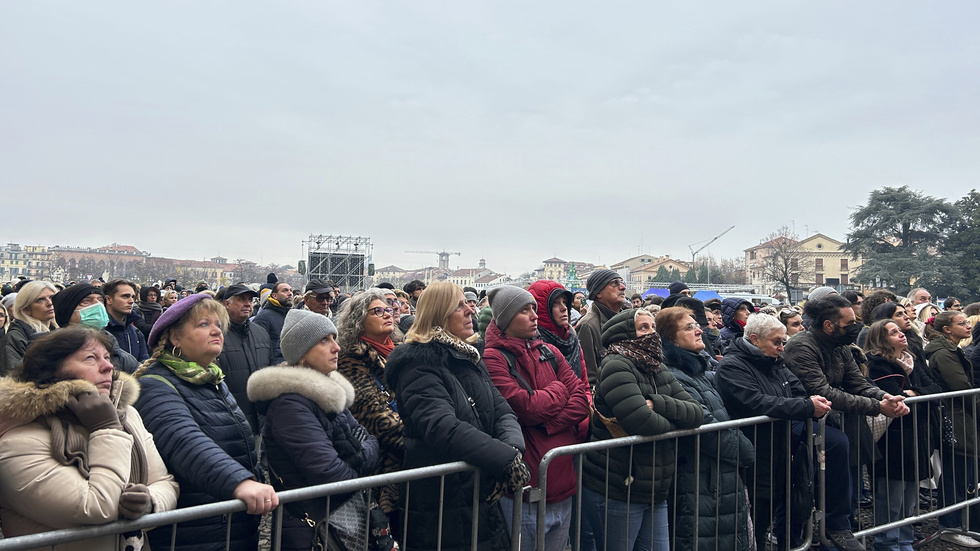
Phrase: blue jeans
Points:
(894, 500)
(628, 526)
(557, 519)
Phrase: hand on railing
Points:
(134, 501)
(260, 498)
(821, 406)
(893, 406)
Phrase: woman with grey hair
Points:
(365, 324)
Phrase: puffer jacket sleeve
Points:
(531, 409)
(163, 488)
(426, 401)
(576, 409)
(292, 422)
(737, 384)
(59, 495)
(506, 428)
(620, 389)
(186, 450)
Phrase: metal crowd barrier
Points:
(965, 472)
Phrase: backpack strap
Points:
(512, 368)
(165, 381)
(547, 354)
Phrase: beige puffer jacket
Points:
(39, 494)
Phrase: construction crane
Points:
(443, 257)
(705, 246)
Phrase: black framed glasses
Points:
(380, 312)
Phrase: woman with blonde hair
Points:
(4, 320)
(33, 315)
(451, 411)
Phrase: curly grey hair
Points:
(350, 318)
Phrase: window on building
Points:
(843, 279)
(819, 279)
(843, 264)
(751, 255)
(794, 263)
(818, 264)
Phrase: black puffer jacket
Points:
(310, 437)
(13, 345)
(622, 390)
(452, 412)
(208, 446)
(752, 384)
(271, 319)
(247, 349)
(709, 489)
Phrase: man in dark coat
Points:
(247, 349)
(608, 294)
(120, 297)
(821, 358)
(273, 314)
(753, 380)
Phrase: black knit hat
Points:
(598, 281)
(677, 287)
(66, 301)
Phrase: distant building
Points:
(30, 261)
(820, 260)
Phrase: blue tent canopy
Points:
(705, 296)
(656, 291)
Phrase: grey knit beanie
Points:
(821, 292)
(301, 330)
(470, 295)
(598, 281)
(506, 301)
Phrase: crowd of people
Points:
(118, 399)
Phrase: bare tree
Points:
(781, 260)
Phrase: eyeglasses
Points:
(393, 302)
(380, 312)
(778, 342)
(617, 282)
(964, 322)
(691, 326)
(323, 298)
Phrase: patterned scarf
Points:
(569, 347)
(644, 352)
(455, 343)
(191, 372)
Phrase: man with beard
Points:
(821, 358)
(273, 315)
(608, 293)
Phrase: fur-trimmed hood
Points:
(333, 393)
(22, 403)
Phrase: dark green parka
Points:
(622, 390)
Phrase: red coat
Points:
(550, 417)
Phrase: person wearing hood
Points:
(33, 314)
(710, 507)
(200, 430)
(73, 451)
(120, 297)
(551, 404)
(822, 359)
(734, 313)
(273, 314)
(634, 396)
(452, 412)
(81, 305)
(149, 307)
(309, 436)
(553, 303)
(753, 380)
(608, 293)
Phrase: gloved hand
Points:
(515, 477)
(134, 501)
(360, 433)
(95, 411)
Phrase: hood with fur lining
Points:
(333, 393)
(23, 402)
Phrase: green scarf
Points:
(190, 371)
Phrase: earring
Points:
(175, 350)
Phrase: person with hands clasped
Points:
(451, 411)
(309, 435)
(201, 432)
(73, 451)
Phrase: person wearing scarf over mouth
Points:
(734, 313)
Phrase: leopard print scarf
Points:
(644, 352)
(454, 342)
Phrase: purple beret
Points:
(172, 314)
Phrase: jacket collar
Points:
(333, 393)
(498, 339)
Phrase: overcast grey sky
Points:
(514, 131)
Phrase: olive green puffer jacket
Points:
(621, 391)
